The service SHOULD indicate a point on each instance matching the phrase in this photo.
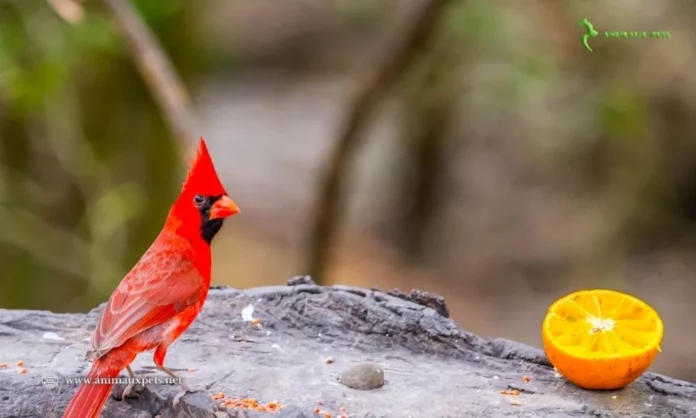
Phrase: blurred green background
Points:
(510, 166)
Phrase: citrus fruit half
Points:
(601, 339)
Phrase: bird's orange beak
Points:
(222, 208)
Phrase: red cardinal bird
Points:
(162, 295)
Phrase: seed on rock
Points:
(363, 376)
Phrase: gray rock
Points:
(363, 376)
(434, 368)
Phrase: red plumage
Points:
(163, 294)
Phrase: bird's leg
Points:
(129, 388)
(160, 353)
(184, 387)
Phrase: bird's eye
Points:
(198, 200)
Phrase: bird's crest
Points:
(202, 177)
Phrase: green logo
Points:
(591, 33)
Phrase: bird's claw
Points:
(127, 391)
(184, 390)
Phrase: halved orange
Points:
(601, 339)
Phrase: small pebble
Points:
(300, 280)
(363, 376)
(329, 360)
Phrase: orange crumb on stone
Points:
(273, 406)
(20, 363)
(526, 379)
(253, 404)
(23, 371)
(255, 321)
(3, 365)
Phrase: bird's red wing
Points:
(162, 284)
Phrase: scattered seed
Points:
(252, 404)
(327, 415)
(329, 360)
(526, 379)
(317, 410)
(3, 365)
(273, 406)
(255, 321)
(20, 363)
(23, 371)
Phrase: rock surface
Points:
(432, 368)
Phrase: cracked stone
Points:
(436, 369)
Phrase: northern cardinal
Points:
(162, 295)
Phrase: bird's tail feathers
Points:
(91, 396)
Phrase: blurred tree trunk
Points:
(328, 210)
(419, 169)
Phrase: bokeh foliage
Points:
(88, 166)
